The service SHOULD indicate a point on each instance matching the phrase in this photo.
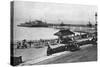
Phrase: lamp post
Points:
(96, 21)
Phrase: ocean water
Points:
(33, 33)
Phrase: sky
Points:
(51, 13)
(54, 12)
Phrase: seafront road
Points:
(87, 53)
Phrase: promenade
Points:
(87, 53)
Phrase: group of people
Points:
(28, 44)
(23, 44)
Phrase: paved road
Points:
(87, 53)
(83, 55)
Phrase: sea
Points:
(37, 33)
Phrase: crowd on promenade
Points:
(34, 43)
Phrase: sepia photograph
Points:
(52, 33)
